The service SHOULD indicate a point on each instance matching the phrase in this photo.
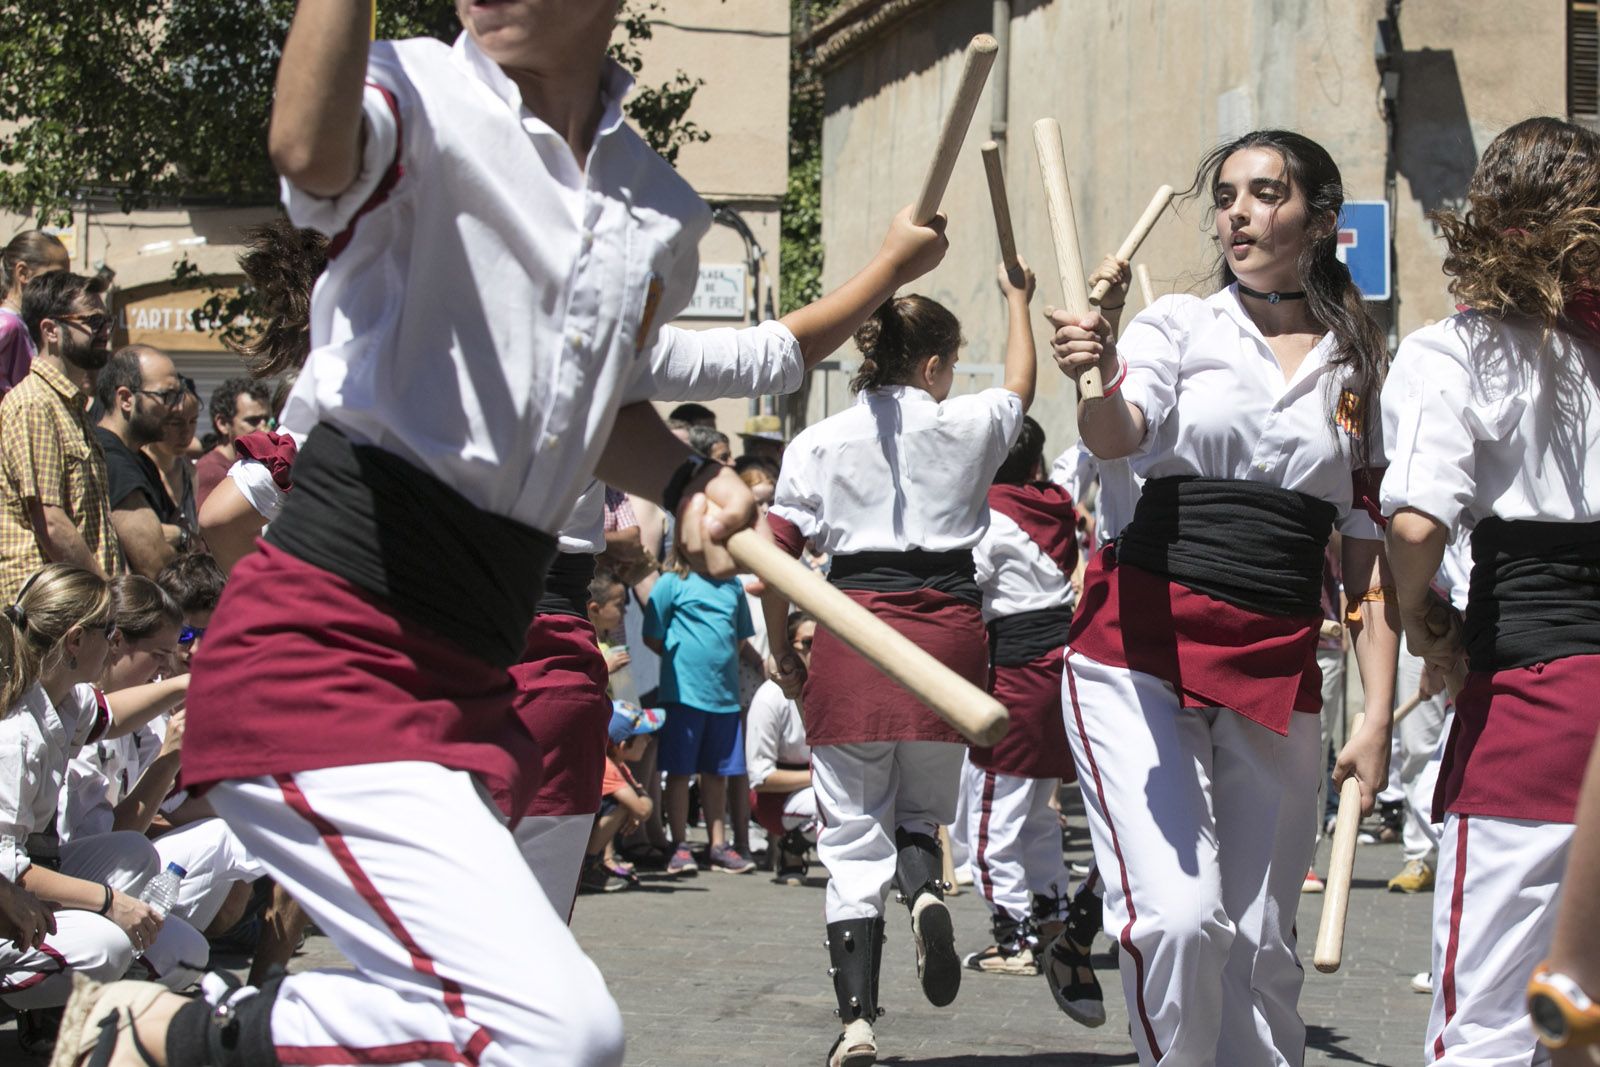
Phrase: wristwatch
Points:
(1562, 1013)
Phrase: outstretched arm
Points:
(315, 135)
(1022, 358)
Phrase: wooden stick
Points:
(1341, 865)
(1002, 210)
(1135, 238)
(1408, 707)
(948, 872)
(981, 52)
(1146, 290)
(1064, 232)
(972, 712)
(1331, 629)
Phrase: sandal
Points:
(96, 1017)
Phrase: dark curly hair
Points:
(1530, 237)
(902, 332)
(281, 264)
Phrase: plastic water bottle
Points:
(161, 893)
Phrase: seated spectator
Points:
(622, 806)
(779, 764)
(54, 644)
(137, 390)
(238, 406)
(711, 443)
(196, 583)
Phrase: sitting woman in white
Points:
(778, 761)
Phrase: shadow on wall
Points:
(1435, 151)
(917, 42)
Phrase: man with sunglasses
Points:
(54, 505)
(138, 390)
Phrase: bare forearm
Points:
(1111, 427)
(824, 325)
(784, 781)
(60, 540)
(138, 809)
(1416, 545)
(230, 524)
(1377, 640)
(315, 135)
(775, 613)
(52, 887)
(1022, 358)
(132, 708)
(642, 453)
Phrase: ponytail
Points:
(19, 663)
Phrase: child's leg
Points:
(721, 759)
(714, 801)
(739, 811)
(413, 875)
(605, 831)
(681, 739)
(677, 798)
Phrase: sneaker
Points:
(1313, 882)
(1001, 959)
(624, 871)
(1422, 982)
(596, 878)
(728, 860)
(1073, 983)
(1415, 877)
(682, 862)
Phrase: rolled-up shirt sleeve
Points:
(381, 146)
(795, 500)
(760, 360)
(1150, 348)
(255, 484)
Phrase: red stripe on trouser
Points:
(409, 1052)
(35, 979)
(1447, 980)
(1126, 937)
(454, 998)
(987, 807)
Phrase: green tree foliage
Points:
(802, 200)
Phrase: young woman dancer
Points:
(1191, 680)
(894, 489)
(351, 710)
(1497, 430)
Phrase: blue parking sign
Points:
(1364, 245)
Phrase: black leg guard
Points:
(1011, 935)
(919, 865)
(1085, 917)
(856, 948)
(235, 1033)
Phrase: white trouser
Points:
(864, 793)
(1420, 735)
(126, 861)
(1494, 909)
(553, 846)
(800, 812)
(214, 859)
(1334, 720)
(1016, 841)
(458, 957)
(960, 847)
(1202, 827)
(42, 977)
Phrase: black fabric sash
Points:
(1022, 638)
(566, 586)
(1254, 546)
(951, 573)
(1535, 593)
(402, 535)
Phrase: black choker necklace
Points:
(1272, 297)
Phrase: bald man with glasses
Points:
(138, 390)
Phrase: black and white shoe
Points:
(938, 966)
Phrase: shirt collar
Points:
(58, 381)
(615, 84)
(894, 392)
(1227, 301)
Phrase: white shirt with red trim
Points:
(37, 740)
(1491, 418)
(1216, 405)
(491, 300)
(898, 470)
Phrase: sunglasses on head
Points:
(189, 634)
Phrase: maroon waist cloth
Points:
(1036, 744)
(562, 701)
(301, 670)
(847, 700)
(1521, 741)
(1214, 654)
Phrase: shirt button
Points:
(575, 340)
(588, 239)
(1261, 466)
(551, 440)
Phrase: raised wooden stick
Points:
(1064, 232)
(1146, 290)
(1135, 238)
(1002, 210)
(976, 715)
(981, 52)
(1341, 865)
(1408, 707)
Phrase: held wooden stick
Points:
(981, 52)
(1331, 629)
(1135, 238)
(975, 714)
(1408, 707)
(1064, 232)
(1002, 208)
(1336, 897)
(1147, 290)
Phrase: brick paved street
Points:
(731, 970)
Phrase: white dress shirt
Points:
(898, 470)
(1216, 405)
(774, 733)
(37, 739)
(1077, 468)
(1489, 419)
(497, 299)
(1014, 573)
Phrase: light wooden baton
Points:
(1146, 290)
(972, 712)
(1341, 864)
(1064, 232)
(1135, 238)
(981, 52)
(1002, 210)
(1408, 707)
